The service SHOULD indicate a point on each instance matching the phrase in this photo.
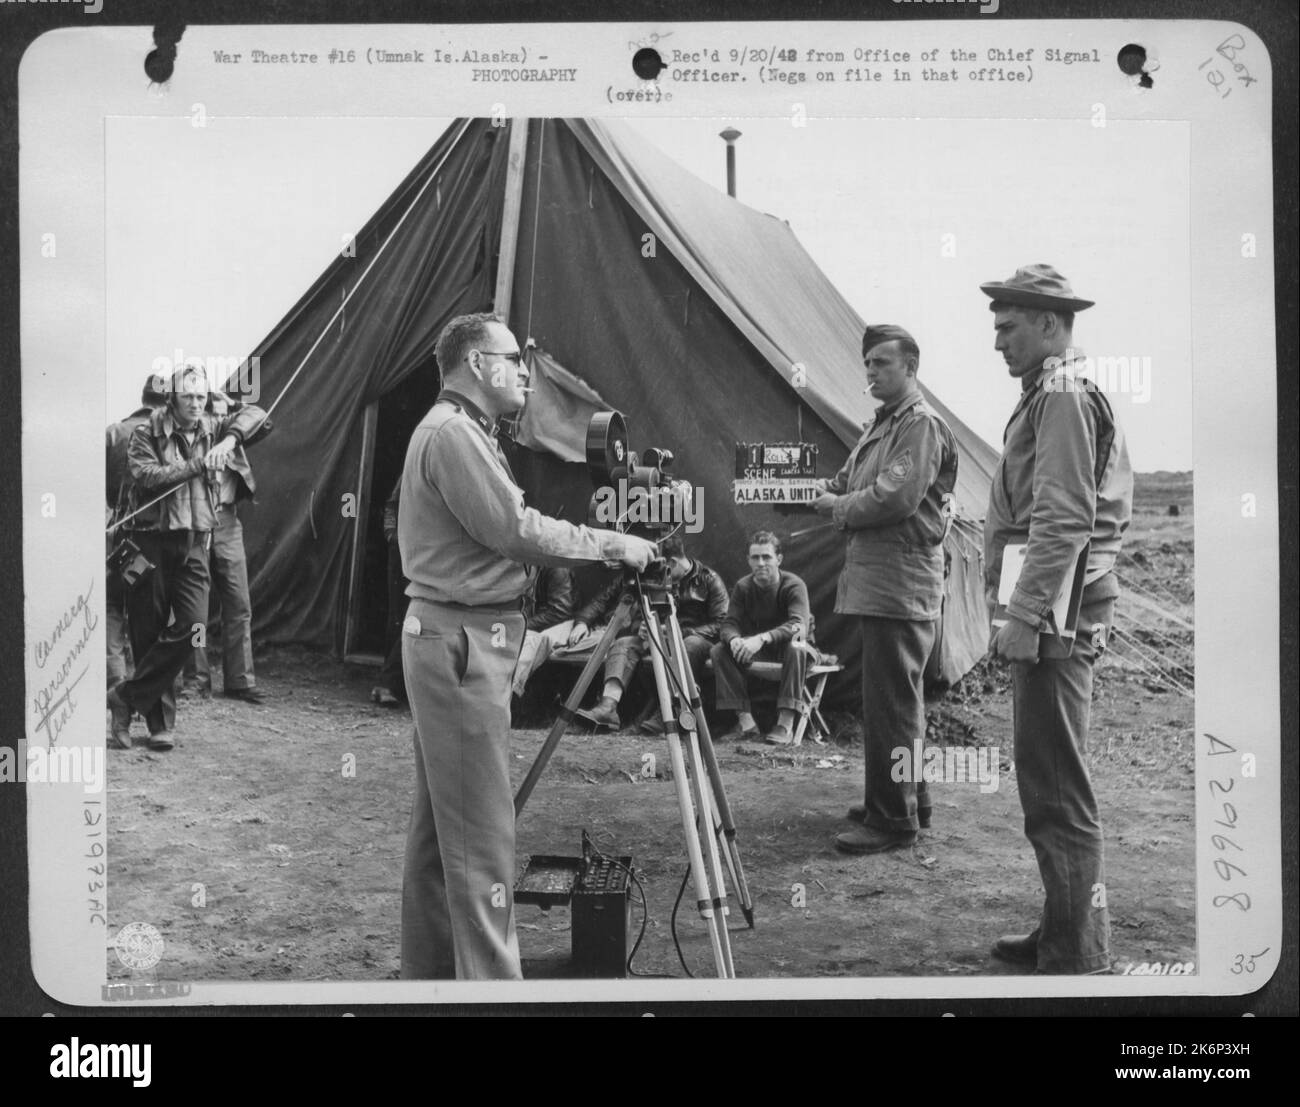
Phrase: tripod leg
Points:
(726, 827)
(731, 851)
(620, 619)
(707, 824)
(705, 900)
(707, 820)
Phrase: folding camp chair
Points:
(810, 716)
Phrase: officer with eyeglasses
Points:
(466, 540)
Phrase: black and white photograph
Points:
(673, 511)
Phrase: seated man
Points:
(590, 619)
(768, 620)
(701, 606)
(548, 619)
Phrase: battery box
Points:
(602, 918)
(597, 890)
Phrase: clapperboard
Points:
(775, 473)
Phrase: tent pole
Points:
(510, 219)
(356, 558)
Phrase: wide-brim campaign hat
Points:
(1036, 286)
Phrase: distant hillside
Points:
(1158, 491)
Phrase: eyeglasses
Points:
(516, 356)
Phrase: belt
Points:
(513, 608)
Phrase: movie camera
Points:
(635, 493)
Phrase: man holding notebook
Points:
(1063, 484)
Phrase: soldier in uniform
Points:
(228, 570)
(1063, 484)
(116, 440)
(176, 457)
(893, 499)
(465, 537)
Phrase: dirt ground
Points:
(268, 844)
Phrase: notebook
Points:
(1064, 615)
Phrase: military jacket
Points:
(1064, 480)
(894, 498)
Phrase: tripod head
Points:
(658, 580)
(655, 582)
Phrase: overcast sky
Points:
(214, 233)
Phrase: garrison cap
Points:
(877, 333)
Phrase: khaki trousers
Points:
(458, 915)
(894, 653)
(1053, 701)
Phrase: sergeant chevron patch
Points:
(901, 466)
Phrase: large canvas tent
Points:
(702, 320)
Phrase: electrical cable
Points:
(645, 917)
(686, 876)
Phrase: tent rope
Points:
(1176, 676)
(537, 206)
(1153, 672)
(1167, 657)
(968, 544)
(433, 176)
(1170, 644)
(1151, 596)
(1137, 666)
(1155, 592)
(1152, 661)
